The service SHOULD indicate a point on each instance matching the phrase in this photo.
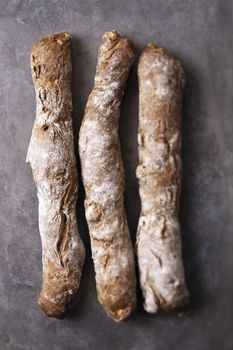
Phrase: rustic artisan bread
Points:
(51, 156)
(161, 82)
(103, 178)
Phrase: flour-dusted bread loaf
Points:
(103, 178)
(161, 81)
(52, 159)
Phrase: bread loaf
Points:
(161, 82)
(103, 178)
(52, 159)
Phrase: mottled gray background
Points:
(199, 32)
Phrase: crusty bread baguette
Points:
(103, 178)
(52, 159)
(161, 81)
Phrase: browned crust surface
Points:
(51, 156)
(161, 81)
(103, 178)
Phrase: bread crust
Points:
(161, 82)
(103, 178)
(52, 159)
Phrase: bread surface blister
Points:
(161, 82)
(103, 178)
(52, 159)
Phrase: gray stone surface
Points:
(200, 33)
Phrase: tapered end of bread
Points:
(57, 292)
(153, 306)
(113, 41)
(118, 295)
(111, 37)
(55, 300)
(115, 55)
(154, 57)
(119, 308)
(120, 314)
(51, 309)
(48, 57)
(57, 38)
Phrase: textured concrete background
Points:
(200, 33)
